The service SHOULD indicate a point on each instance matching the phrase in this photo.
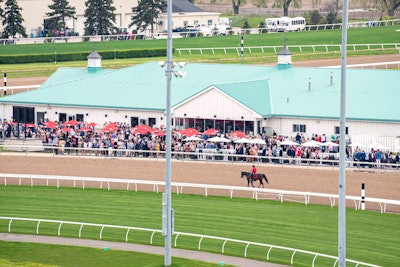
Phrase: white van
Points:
(271, 24)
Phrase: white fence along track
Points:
(177, 234)
(257, 193)
(321, 48)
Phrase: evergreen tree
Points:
(99, 16)
(12, 20)
(1, 10)
(60, 9)
(146, 13)
(315, 17)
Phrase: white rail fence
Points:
(379, 65)
(257, 193)
(322, 48)
(18, 89)
(178, 234)
(224, 155)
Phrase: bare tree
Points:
(285, 5)
(236, 4)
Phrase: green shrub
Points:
(78, 56)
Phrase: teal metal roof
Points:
(258, 91)
(370, 94)
(267, 90)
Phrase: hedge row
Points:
(78, 56)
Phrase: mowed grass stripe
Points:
(368, 35)
(371, 236)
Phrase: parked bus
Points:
(286, 24)
(271, 24)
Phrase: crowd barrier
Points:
(223, 155)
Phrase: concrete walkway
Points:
(188, 254)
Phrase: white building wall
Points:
(359, 131)
(213, 103)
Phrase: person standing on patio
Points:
(378, 157)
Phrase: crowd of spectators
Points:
(119, 139)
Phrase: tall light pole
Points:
(342, 155)
(167, 213)
(168, 236)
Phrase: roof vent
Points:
(94, 61)
(284, 58)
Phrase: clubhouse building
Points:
(255, 99)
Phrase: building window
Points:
(196, 22)
(134, 121)
(299, 128)
(79, 117)
(209, 22)
(337, 130)
(152, 122)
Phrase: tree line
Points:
(385, 6)
(99, 16)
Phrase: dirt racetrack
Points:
(378, 184)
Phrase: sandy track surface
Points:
(285, 177)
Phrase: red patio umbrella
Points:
(211, 131)
(143, 126)
(108, 129)
(65, 130)
(139, 131)
(238, 134)
(85, 129)
(112, 124)
(161, 133)
(50, 124)
(70, 123)
(92, 124)
(190, 132)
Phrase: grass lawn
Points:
(43, 255)
(371, 237)
(372, 35)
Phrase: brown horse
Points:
(251, 179)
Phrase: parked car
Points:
(371, 23)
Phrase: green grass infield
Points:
(372, 237)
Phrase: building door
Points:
(152, 122)
(62, 117)
(79, 117)
(134, 121)
(39, 116)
